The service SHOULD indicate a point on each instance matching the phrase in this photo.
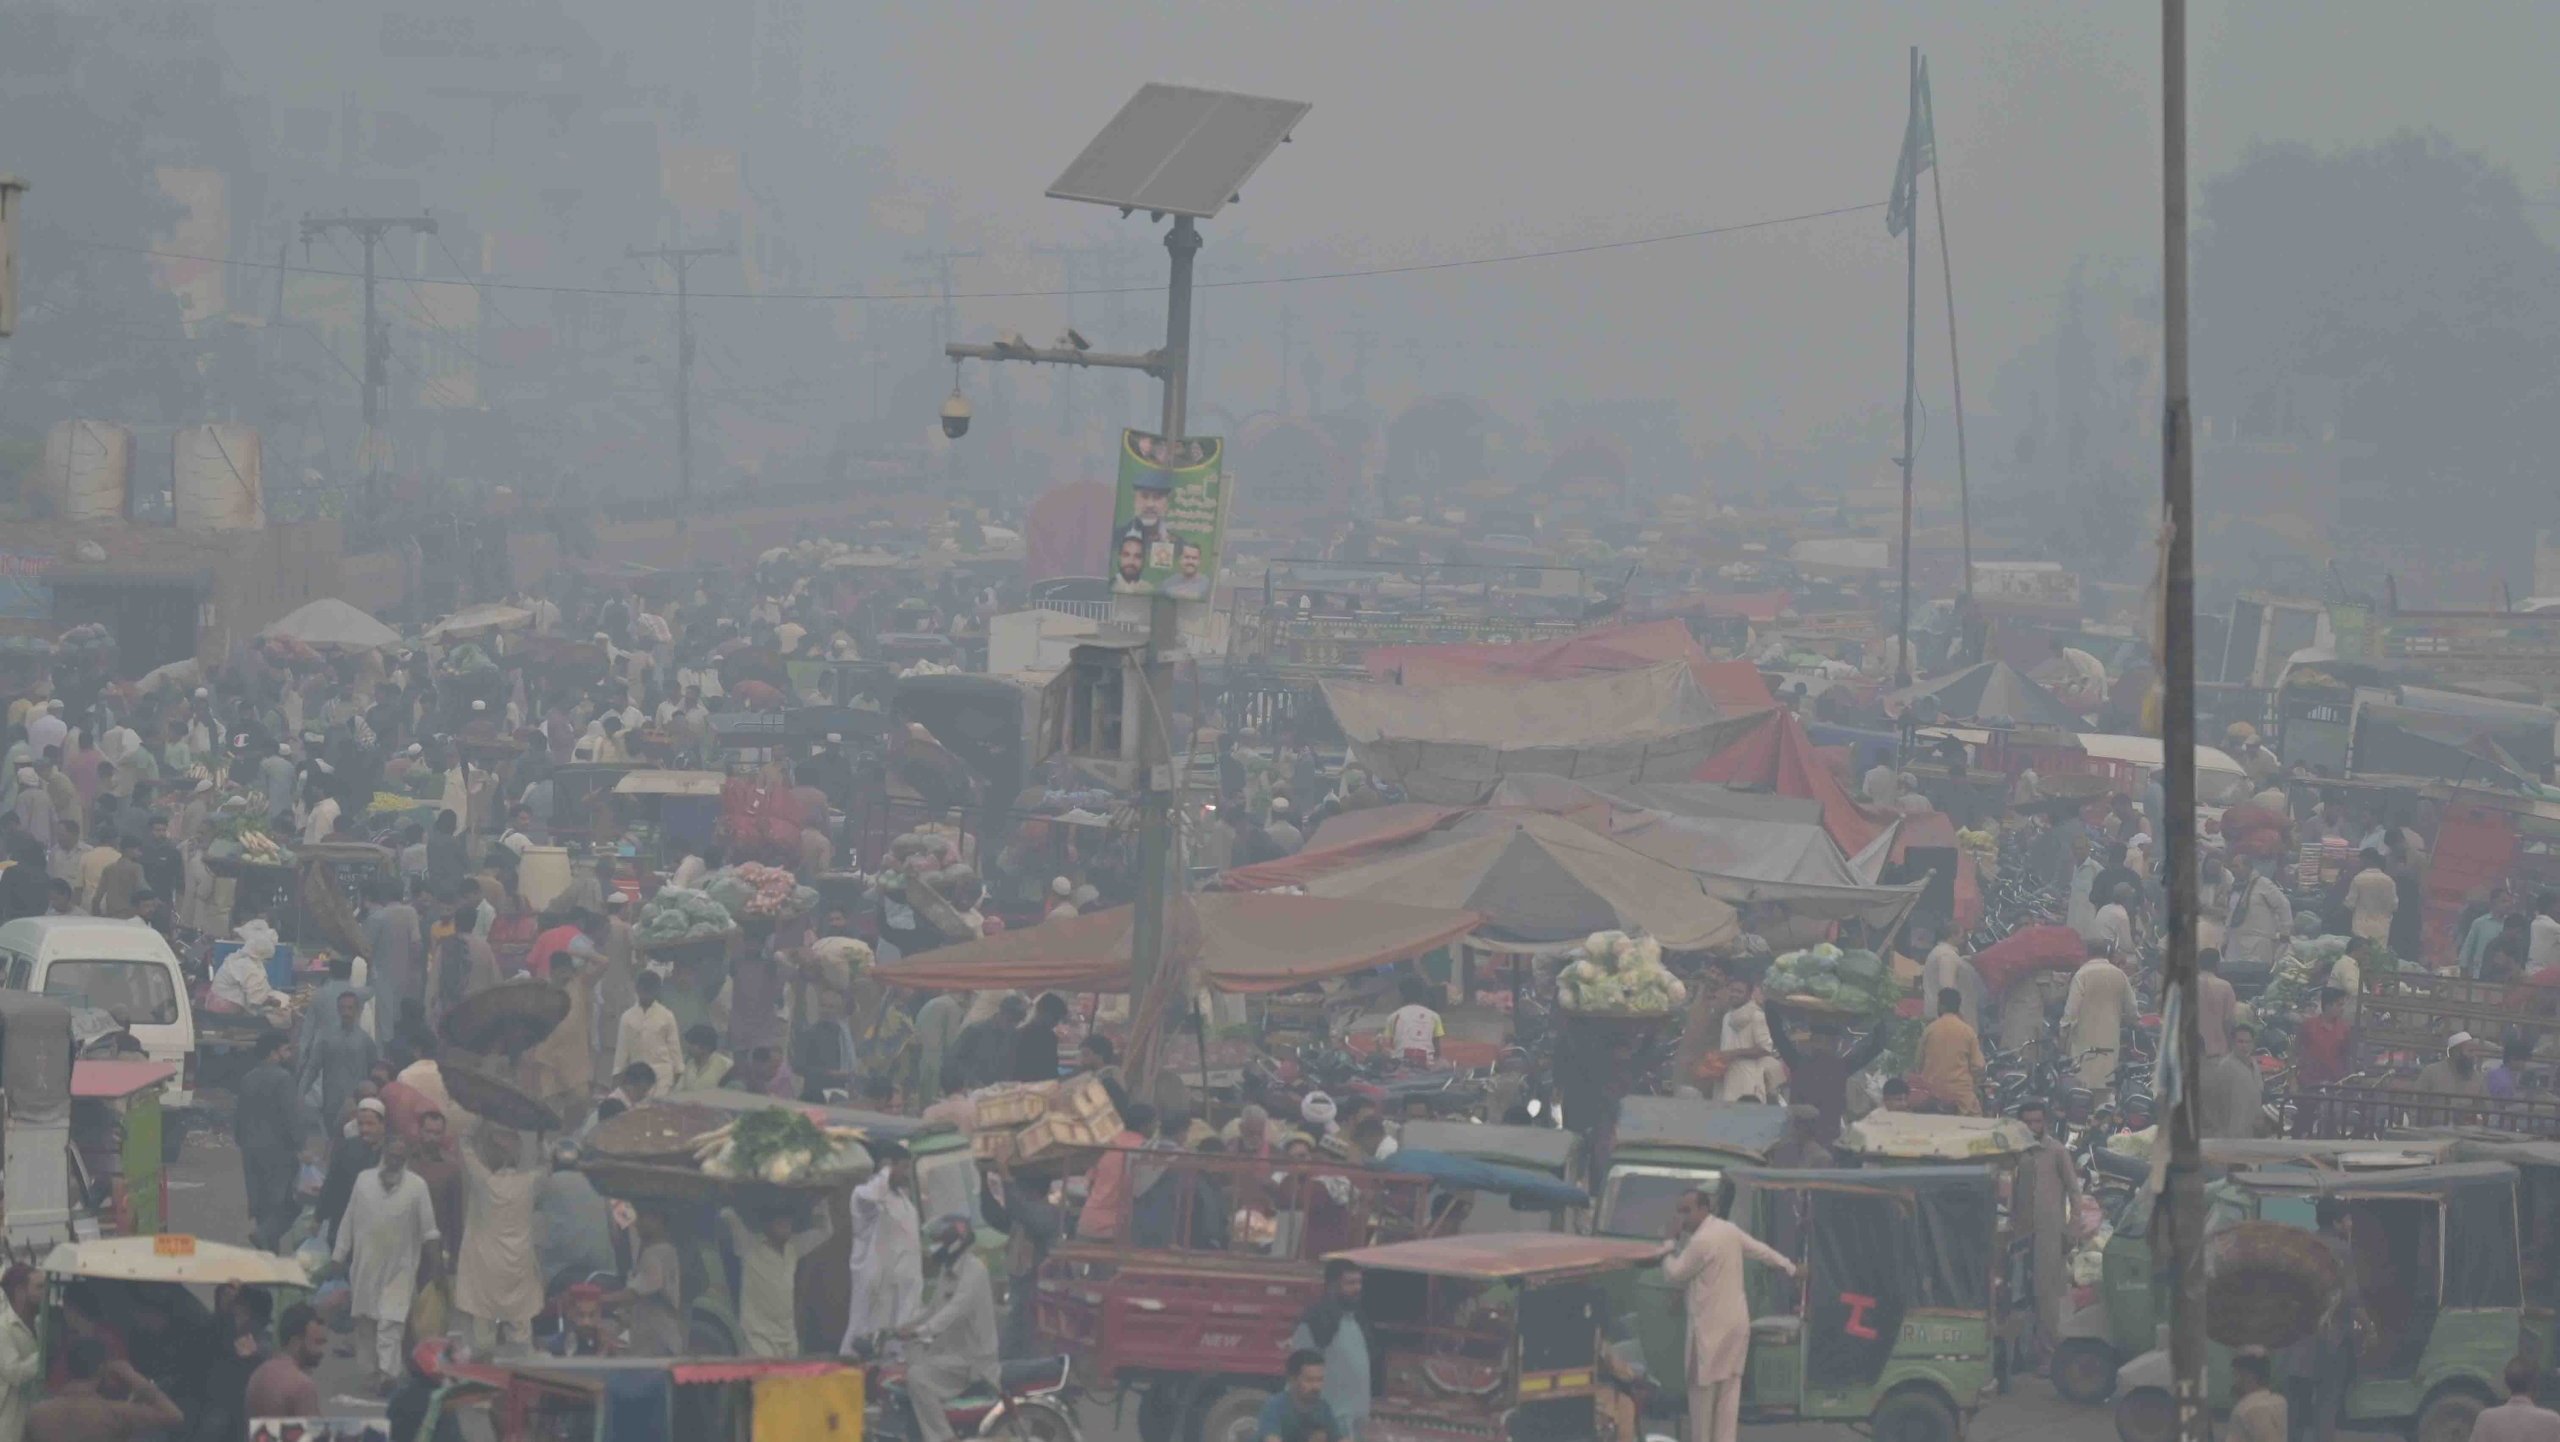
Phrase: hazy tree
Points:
(2396, 293)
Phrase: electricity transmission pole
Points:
(681, 257)
(377, 342)
(2183, 1199)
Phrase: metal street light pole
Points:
(2185, 1179)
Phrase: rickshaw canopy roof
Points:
(2444, 1181)
(2518, 1153)
(1547, 1149)
(1866, 1179)
(1496, 1256)
(1919, 1136)
(1742, 1129)
(174, 1258)
(110, 1080)
(670, 783)
(35, 1056)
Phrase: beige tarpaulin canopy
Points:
(1232, 941)
(1535, 879)
(332, 622)
(1454, 744)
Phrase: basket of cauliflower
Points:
(1826, 980)
(1613, 974)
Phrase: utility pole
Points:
(682, 258)
(2184, 1224)
(1135, 181)
(1910, 383)
(377, 343)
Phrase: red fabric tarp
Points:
(1777, 756)
(1734, 687)
(2027, 950)
(1240, 942)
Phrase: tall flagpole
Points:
(1910, 362)
(1955, 365)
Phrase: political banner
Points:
(1170, 517)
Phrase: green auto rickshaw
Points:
(1891, 1318)
(2438, 1279)
(2121, 1319)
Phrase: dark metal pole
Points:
(2185, 1178)
(1910, 383)
(1156, 884)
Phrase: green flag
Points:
(1919, 152)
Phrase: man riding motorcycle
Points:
(956, 1338)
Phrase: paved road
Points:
(205, 1198)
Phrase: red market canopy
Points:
(1237, 941)
(1776, 755)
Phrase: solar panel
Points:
(1179, 150)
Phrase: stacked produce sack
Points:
(761, 820)
(1614, 973)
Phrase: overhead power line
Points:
(1243, 283)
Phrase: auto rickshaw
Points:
(2537, 1165)
(2121, 1320)
(1492, 1336)
(2434, 1251)
(149, 1296)
(1666, 1146)
(1891, 1318)
(115, 1131)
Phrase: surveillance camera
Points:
(955, 415)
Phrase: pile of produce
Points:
(1856, 982)
(754, 892)
(776, 1145)
(678, 914)
(1614, 972)
(243, 834)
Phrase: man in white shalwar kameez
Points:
(390, 1223)
(498, 1284)
(2093, 1017)
(885, 1255)
(1707, 1259)
(1752, 1070)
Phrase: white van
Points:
(121, 966)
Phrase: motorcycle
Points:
(1032, 1401)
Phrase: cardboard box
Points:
(994, 1146)
(1086, 1099)
(1012, 1106)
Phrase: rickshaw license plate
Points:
(173, 1245)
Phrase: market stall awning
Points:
(1535, 879)
(1241, 942)
(1991, 691)
(332, 622)
(479, 621)
(1733, 687)
(1453, 744)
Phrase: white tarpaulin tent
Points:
(1454, 744)
(332, 622)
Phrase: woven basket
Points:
(2267, 1284)
(496, 1099)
